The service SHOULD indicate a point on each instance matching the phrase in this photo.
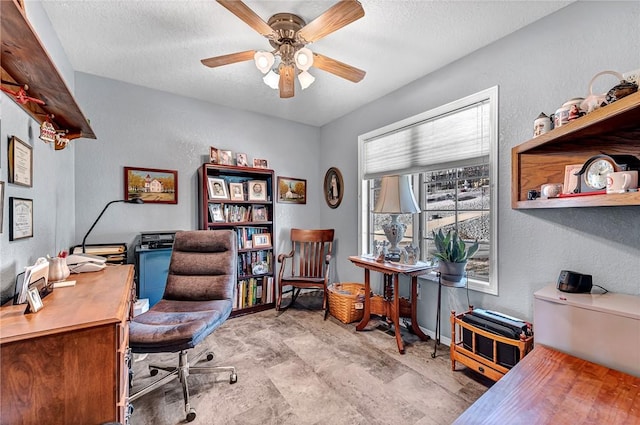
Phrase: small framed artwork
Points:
(215, 210)
(261, 240)
(1, 206)
(20, 162)
(571, 181)
(292, 191)
(225, 157)
(241, 160)
(257, 190)
(259, 213)
(152, 185)
(259, 163)
(236, 191)
(20, 218)
(218, 188)
(34, 300)
(213, 155)
(333, 187)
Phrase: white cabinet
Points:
(601, 328)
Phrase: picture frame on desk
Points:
(34, 301)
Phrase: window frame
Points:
(490, 95)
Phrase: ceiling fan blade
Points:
(338, 68)
(336, 17)
(287, 79)
(229, 59)
(243, 12)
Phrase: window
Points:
(451, 154)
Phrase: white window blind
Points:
(433, 142)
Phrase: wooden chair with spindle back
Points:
(309, 264)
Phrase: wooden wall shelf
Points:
(24, 60)
(613, 129)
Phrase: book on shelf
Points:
(253, 291)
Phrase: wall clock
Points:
(333, 187)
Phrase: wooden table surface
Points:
(550, 387)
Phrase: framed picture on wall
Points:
(292, 191)
(333, 187)
(20, 162)
(20, 218)
(152, 185)
(1, 206)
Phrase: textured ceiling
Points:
(159, 44)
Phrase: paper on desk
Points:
(32, 274)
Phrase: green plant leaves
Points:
(451, 247)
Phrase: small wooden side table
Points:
(391, 303)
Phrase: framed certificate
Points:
(20, 218)
(20, 162)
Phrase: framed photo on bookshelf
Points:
(292, 191)
(259, 163)
(236, 191)
(241, 160)
(259, 213)
(217, 188)
(225, 157)
(213, 155)
(261, 240)
(215, 210)
(257, 190)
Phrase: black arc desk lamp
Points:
(128, 201)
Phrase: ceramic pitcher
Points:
(58, 269)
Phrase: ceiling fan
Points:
(288, 34)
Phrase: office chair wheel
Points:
(209, 357)
(153, 372)
(233, 378)
(191, 415)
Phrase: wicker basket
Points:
(343, 300)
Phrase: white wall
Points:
(536, 69)
(140, 127)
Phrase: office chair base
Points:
(182, 371)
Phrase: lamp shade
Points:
(396, 196)
(264, 61)
(271, 79)
(303, 59)
(305, 79)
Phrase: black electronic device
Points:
(157, 240)
(574, 282)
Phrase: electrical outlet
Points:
(632, 76)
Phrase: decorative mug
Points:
(541, 125)
(58, 269)
(622, 181)
(551, 190)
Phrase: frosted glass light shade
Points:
(264, 61)
(304, 59)
(305, 79)
(271, 79)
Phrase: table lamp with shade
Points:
(395, 198)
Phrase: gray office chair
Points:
(196, 301)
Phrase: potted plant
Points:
(453, 254)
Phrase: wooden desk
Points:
(67, 363)
(550, 387)
(391, 303)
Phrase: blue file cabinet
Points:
(153, 268)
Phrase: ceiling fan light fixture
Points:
(271, 79)
(304, 59)
(305, 79)
(264, 61)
